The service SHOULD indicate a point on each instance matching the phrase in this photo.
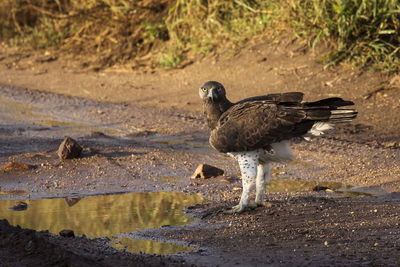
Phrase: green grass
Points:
(169, 57)
(362, 32)
(213, 24)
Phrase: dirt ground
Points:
(142, 130)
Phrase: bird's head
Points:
(212, 91)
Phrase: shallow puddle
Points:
(148, 246)
(353, 193)
(107, 216)
(284, 185)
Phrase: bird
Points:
(257, 131)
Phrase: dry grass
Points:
(168, 32)
(102, 32)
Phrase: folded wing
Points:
(253, 124)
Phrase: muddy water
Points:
(107, 216)
(284, 185)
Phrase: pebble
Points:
(69, 149)
(15, 166)
(205, 171)
(67, 233)
(320, 188)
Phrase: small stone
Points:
(326, 243)
(205, 171)
(69, 149)
(320, 188)
(67, 233)
(390, 144)
(20, 205)
(29, 246)
(15, 166)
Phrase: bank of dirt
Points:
(143, 131)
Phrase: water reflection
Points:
(150, 247)
(107, 215)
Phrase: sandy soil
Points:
(142, 130)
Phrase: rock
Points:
(15, 166)
(20, 205)
(320, 188)
(205, 171)
(390, 144)
(69, 149)
(67, 233)
(143, 133)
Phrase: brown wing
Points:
(257, 124)
(293, 97)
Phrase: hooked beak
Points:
(212, 94)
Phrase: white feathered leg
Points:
(248, 162)
(263, 175)
(255, 169)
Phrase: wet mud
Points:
(352, 220)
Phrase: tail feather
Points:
(320, 116)
(342, 115)
(333, 102)
(328, 109)
(326, 113)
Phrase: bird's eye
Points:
(219, 89)
(204, 89)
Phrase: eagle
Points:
(257, 131)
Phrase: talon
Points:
(252, 205)
(235, 209)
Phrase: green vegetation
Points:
(363, 32)
(207, 25)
